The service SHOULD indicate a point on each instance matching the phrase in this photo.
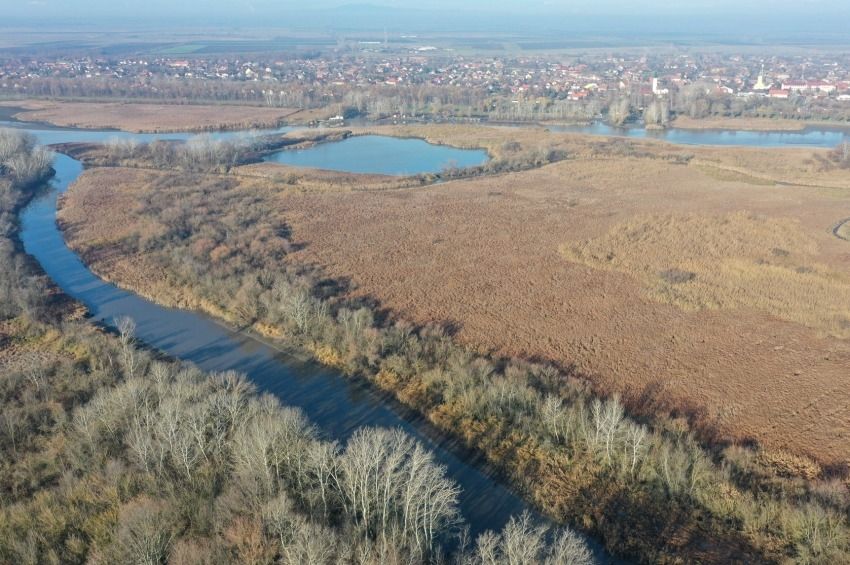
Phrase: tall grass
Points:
(734, 261)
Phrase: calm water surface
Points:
(381, 155)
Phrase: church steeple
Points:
(760, 84)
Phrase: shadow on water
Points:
(335, 404)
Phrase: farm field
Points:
(704, 281)
(149, 117)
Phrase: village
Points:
(817, 85)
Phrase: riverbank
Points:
(143, 116)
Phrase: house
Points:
(780, 93)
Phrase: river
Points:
(335, 404)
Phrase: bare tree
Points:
(635, 444)
(657, 113)
(522, 542)
(323, 465)
(144, 535)
(552, 414)
(126, 336)
(568, 548)
(391, 485)
(268, 448)
(19, 155)
(619, 111)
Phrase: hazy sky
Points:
(237, 7)
(277, 12)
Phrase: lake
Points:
(380, 155)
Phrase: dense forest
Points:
(109, 454)
(643, 476)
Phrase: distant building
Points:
(780, 93)
(795, 85)
(822, 86)
(808, 86)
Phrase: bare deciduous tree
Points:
(391, 486)
(522, 542)
(619, 111)
(552, 414)
(144, 535)
(126, 336)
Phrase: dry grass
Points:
(494, 139)
(299, 179)
(728, 174)
(805, 167)
(151, 117)
(735, 261)
(308, 115)
(483, 255)
(746, 124)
